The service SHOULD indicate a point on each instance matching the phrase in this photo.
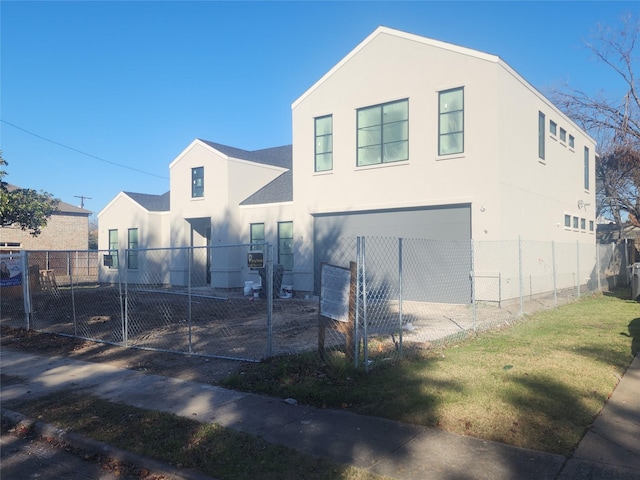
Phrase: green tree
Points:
(24, 207)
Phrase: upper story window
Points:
(257, 236)
(132, 252)
(572, 141)
(563, 135)
(541, 130)
(383, 133)
(113, 247)
(324, 143)
(553, 128)
(567, 220)
(451, 121)
(586, 168)
(197, 182)
(285, 245)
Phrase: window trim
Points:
(586, 169)
(113, 246)
(542, 129)
(288, 266)
(440, 114)
(315, 148)
(132, 256)
(381, 126)
(197, 191)
(253, 241)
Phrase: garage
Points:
(436, 249)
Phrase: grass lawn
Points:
(537, 384)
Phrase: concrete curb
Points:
(82, 442)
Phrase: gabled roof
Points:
(276, 156)
(400, 34)
(152, 203)
(278, 190)
(63, 207)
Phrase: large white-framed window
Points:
(113, 247)
(383, 133)
(451, 121)
(132, 246)
(323, 143)
(541, 135)
(586, 168)
(256, 236)
(285, 245)
(197, 182)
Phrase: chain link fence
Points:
(363, 300)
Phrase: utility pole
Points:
(82, 199)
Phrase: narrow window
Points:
(132, 249)
(572, 141)
(197, 182)
(591, 225)
(541, 130)
(257, 236)
(576, 221)
(563, 135)
(553, 127)
(583, 224)
(113, 247)
(586, 168)
(383, 133)
(567, 221)
(285, 245)
(324, 143)
(451, 121)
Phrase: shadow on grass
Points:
(552, 410)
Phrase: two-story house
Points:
(404, 137)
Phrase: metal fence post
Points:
(553, 269)
(520, 276)
(269, 292)
(578, 266)
(356, 316)
(189, 270)
(400, 297)
(26, 290)
(365, 342)
(599, 285)
(472, 278)
(125, 301)
(73, 297)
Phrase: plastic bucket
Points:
(287, 291)
(248, 287)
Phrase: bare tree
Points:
(613, 122)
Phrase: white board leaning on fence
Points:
(335, 286)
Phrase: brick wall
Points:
(64, 231)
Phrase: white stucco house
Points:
(405, 137)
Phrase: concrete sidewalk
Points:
(611, 448)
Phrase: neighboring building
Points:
(404, 137)
(67, 229)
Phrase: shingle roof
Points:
(276, 156)
(153, 203)
(278, 190)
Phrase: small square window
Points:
(553, 127)
(572, 141)
(576, 222)
(567, 221)
(583, 224)
(563, 135)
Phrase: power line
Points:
(80, 151)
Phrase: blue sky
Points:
(99, 97)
